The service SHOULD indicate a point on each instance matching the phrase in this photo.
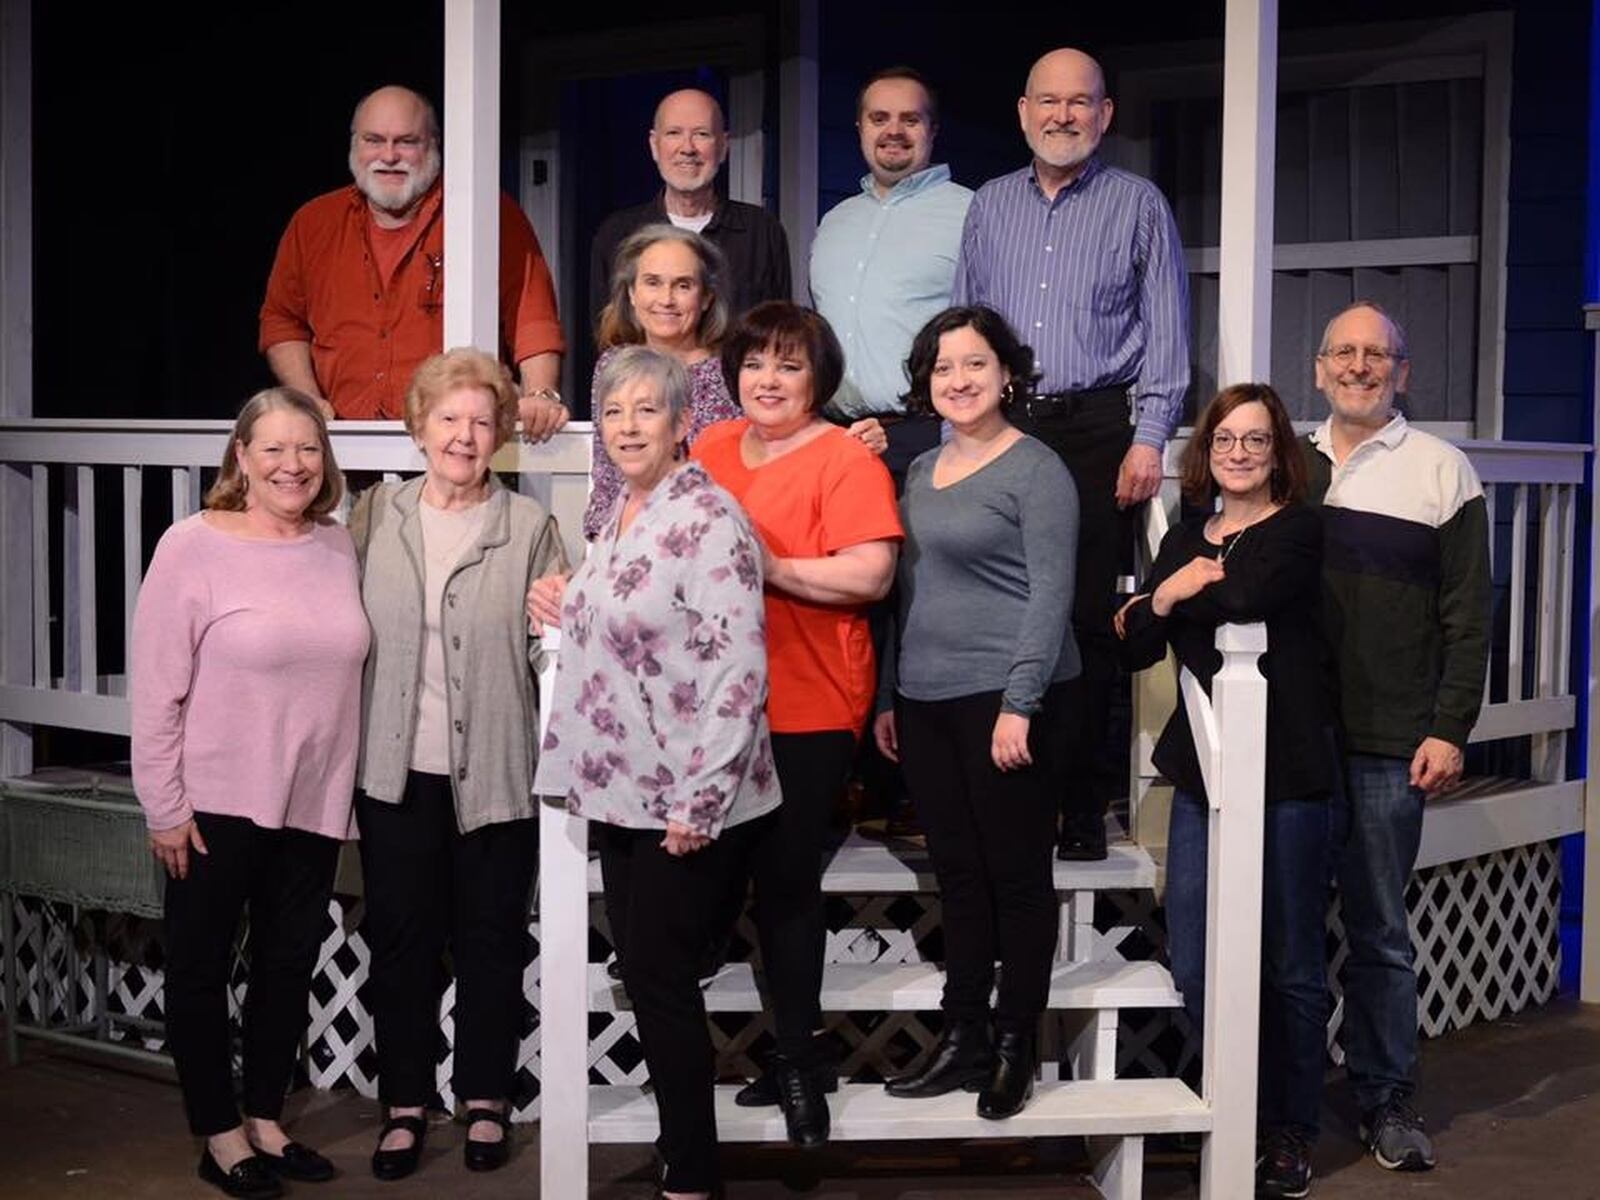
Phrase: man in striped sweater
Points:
(1406, 603)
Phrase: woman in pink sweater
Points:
(248, 642)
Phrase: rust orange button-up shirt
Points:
(367, 337)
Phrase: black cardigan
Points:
(1274, 574)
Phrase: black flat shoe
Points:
(1011, 1084)
(964, 1058)
(299, 1163)
(390, 1165)
(1082, 845)
(487, 1156)
(248, 1178)
(805, 1108)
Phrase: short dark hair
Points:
(1288, 467)
(1014, 356)
(786, 328)
(901, 72)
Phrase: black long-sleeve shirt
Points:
(1273, 574)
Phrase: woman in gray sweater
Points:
(985, 637)
(448, 719)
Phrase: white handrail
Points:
(1230, 739)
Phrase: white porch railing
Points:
(1533, 491)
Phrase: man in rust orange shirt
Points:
(356, 296)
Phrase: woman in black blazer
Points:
(1258, 557)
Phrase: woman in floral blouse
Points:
(658, 732)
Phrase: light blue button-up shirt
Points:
(880, 268)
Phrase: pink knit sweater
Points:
(246, 688)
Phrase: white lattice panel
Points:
(1486, 933)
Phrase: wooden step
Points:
(916, 987)
(865, 867)
(865, 1112)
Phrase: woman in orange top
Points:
(823, 505)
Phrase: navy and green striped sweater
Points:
(1406, 586)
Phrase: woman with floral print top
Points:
(658, 730)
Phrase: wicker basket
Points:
(84, 845)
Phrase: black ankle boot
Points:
(1011, 1084)
(964, 1058)
(805, 1108)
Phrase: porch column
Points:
(1249, 135)
(16, 361)
(798, 90)
(472, 173)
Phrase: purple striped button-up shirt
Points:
(1094, 281)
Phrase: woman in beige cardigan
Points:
(448, 826)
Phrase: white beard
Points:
(418, 180)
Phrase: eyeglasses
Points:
(1256, 442)
(1343, 356)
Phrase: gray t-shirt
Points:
(986, 576)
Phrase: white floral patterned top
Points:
(659, 711)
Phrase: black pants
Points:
(1092, 441)
(785, 865)
(990, 836)
(285, 878)
(661, 908)
(429, 886)
(908, 437)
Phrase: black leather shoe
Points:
(805, 1108)
(1085, 842)
(390, 1165)
(487, 1156)
(762, 1091)
(964, 1058)
(1011, 1084)
(299, 1163)
(248, 1178)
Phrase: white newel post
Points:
(472, 174)
(1233, 914)
(563, 983)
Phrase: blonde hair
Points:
(227, 493)
(463, 367)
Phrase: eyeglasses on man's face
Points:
(1255, 442)
(1377, 357)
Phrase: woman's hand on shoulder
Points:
(680, 840)
(1199, 573)
(171, 847)
(545, 597)
(1008, 746)
(869, 431)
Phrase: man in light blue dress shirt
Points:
(1084, 261)
(884, 260)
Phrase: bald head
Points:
(1064, 113)
(394, 152)
(1067, 63)
(688, 141)
(393, 102)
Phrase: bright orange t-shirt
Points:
(829, 494)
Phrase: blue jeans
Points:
(1294, 972)
(1376, 829)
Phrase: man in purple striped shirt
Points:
(1084, 262)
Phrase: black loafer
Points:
(390, 1165)
(298, 1162)
(248, 1178)
(487, 1156)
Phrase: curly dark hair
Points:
(1014, 356)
